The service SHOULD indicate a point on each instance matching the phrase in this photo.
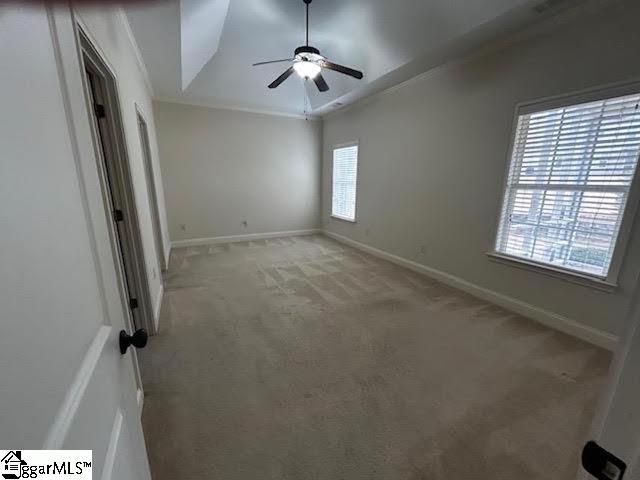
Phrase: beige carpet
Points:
(300, 358)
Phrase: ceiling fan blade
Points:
(273, 61)
(287, 73)
(341, 69)
(320, 83)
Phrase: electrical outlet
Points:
(367, 231)
(244, 223)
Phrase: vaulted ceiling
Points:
(202, 51)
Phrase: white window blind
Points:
(568, 184)
(345, 173)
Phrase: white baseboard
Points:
(241, 238)
(545, 317)
(158, 306)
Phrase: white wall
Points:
(109, 32)
(433, 156)
(223, 167)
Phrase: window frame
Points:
(334, 147)
(610, 282)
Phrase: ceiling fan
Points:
(308, 64)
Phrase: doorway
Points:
(151, 189)
(117, 185)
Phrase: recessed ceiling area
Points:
(202, 51)
(201, 24)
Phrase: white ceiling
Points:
(201, 24)
(209, 49)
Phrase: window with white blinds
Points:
(568, 184)
(345, 173)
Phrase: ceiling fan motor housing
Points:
(307, 54)
(306, 49)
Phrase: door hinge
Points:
(133, 303)
(601, 464)
(118, 215)
(99, 109)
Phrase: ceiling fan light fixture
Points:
(308, 63)
(306, 69)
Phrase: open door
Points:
(64, 382)
(614, 453)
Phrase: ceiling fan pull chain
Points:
(304, 99)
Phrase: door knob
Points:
(138, 340)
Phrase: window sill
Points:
(343, 219)
(577, 278)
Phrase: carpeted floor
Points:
(300, 358)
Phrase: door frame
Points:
(132, 247)
(152, 190)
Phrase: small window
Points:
(568, 184)
(345, 173)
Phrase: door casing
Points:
(119, 189)
(151, 188)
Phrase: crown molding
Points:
(218, 106)
(542, 27)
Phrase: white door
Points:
(617, 425)
(63, 382)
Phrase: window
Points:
(345, 173)
(568, 184)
